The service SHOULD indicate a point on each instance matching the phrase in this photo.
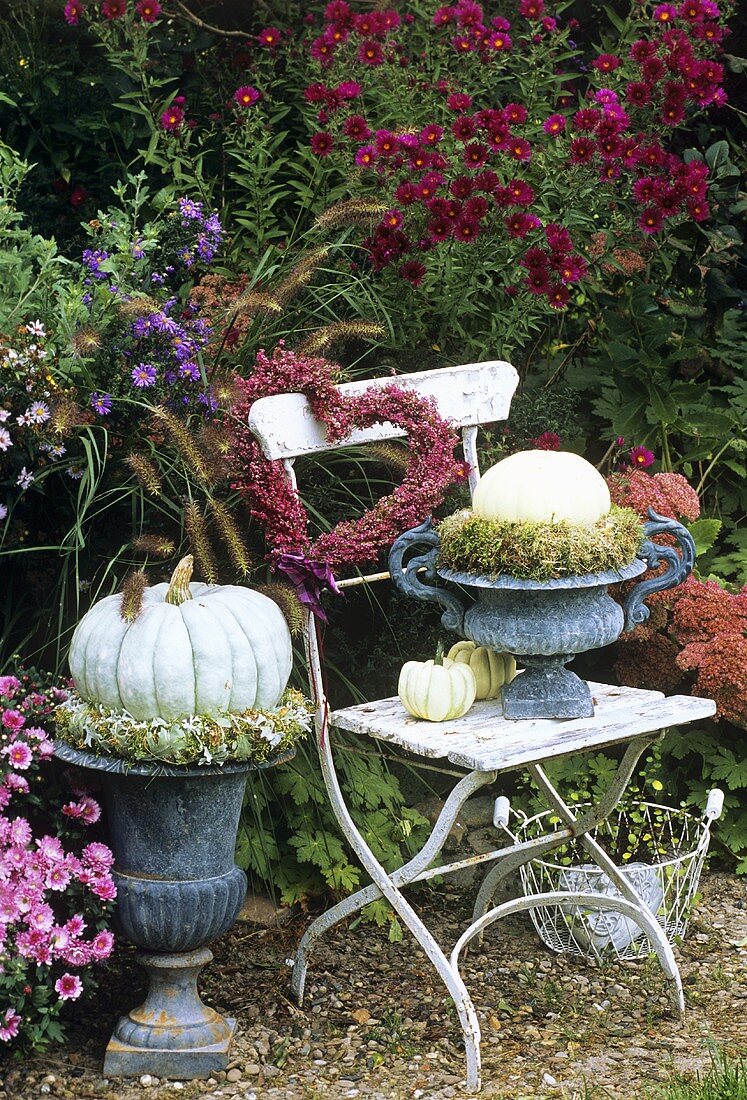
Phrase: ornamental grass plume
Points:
(199, 541)
(146, 473)
(300, 276)
(231, 537)
(339, 332)
(285, 596)
(132, 596)
(351, 212)
(183, 441)
(155, 546)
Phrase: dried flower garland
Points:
(254, 735)
(273, 502)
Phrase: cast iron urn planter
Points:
(543, 624)
(173, 833)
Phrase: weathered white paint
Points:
(475, 393)
(484, 740)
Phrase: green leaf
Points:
(704, 533)
(717, 154)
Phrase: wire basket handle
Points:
(714, 805)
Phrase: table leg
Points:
(598, 813)
(463, 790)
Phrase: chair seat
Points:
(483, 740)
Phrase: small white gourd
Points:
(491, 670)
(437, 690)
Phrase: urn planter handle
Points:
(679, 565)
(408, 580)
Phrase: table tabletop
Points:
(483, 740)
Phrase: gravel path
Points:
(376, 1024)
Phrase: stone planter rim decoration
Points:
(102, 762)
(543, 624)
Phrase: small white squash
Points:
(542, 487)
(491, 670)
(437, 690)
(192, 649)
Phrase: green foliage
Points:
(539, 551)
(725, 1080)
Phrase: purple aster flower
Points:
(101, 403)
(143, 375)
(189, 369)
(170, 377)
(157, 279)
(189, 209)
(93, 259)
(137, 250)
(641, 457)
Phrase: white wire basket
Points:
(665, 849)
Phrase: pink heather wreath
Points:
(273, 502)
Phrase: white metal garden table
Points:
(482, 743)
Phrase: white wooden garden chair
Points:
(483, 743)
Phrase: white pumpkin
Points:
(542, 487)
(192, 649)
(491, 670)
(437, 691)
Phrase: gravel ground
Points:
(376, 1023)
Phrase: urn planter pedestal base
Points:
(173, 1033)
(547, 690)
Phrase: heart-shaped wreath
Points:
(274, 503)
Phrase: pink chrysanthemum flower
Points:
(12, 719)
(19, 755)
(69, 987)
(9, 1025)
(641, 457)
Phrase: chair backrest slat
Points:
(468, 395)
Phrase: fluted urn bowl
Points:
(543, 624)
(173, 833)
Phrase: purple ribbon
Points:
(309, 579)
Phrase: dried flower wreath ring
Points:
(264, 484)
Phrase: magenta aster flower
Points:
(459, 101)
(73, 11)
(366, 156)
(113, 9)
(322, 143)
(520, 149)
(606, 63)
(664, 13)
(69, 987)
(356, 127)
(554, 125)
(12, 720)
(172, 118)
(246, 96)
(270, 37)
(532, 9)
(413, 272)
(148, 10)
(19, 755)
(370, 53)
(582, 150)
(651, 220)
(641, 457)
(558, 296)
(548, 441)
